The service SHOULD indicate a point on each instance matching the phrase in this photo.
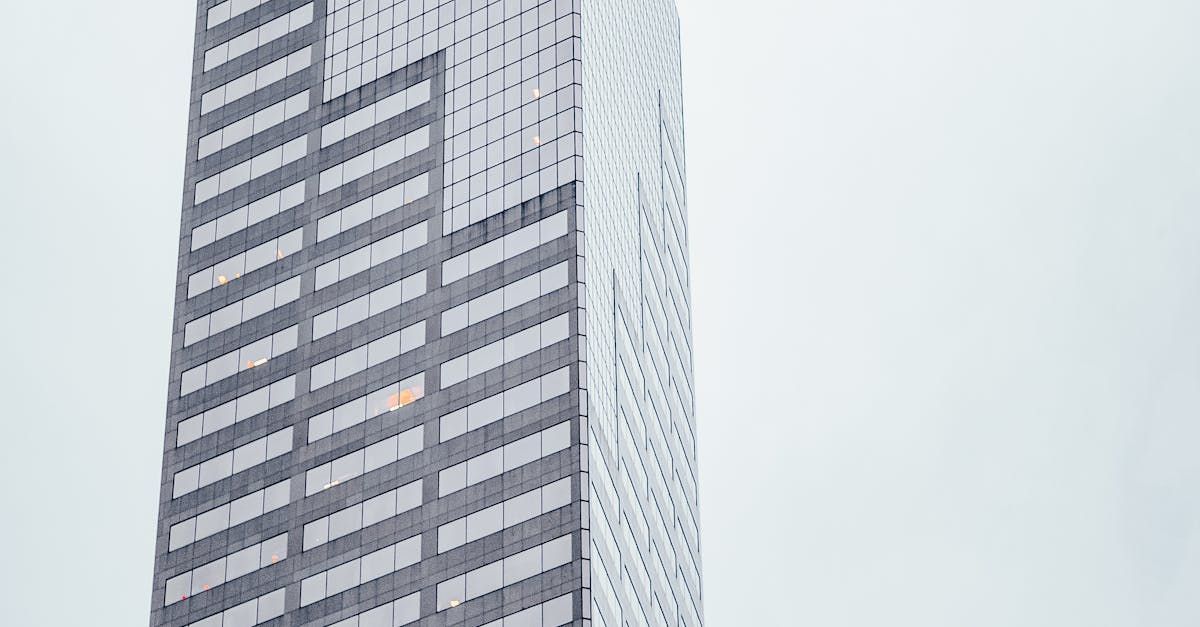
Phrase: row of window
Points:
(357, 411)
(375, 206)
(402, 611)
(236, 313)
(258, 37)
(221, 13)
(253, 81)
(245, 262)
(519, 567)
(229, 515)
(375, 113)
(228, 568)
(247, 215)
(552, 613)
(248, 614)
(364, 460)
(372, 255)
(252, 124)
(361, 515)
(249, 356)
(245, 406)
(358, 571)
(505, 350)
(251, 168)
(375, 159)
(232, 462)
(500, 460)
(507, 247)
(510, 296)
(370, 304)
(504, 514)
(499, 406)
(356, 360)
(511, 194)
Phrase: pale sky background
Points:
(946, 262)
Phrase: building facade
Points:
(418, 376)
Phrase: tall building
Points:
(432, 358)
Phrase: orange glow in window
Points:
(222, 280)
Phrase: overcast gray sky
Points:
(947, 301)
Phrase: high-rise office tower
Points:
(431, 360)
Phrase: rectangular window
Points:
(256, 37)
(236, 313)
(362, 515)
(252, 124)
(511, 401)
(232, 462)
(505, 572)
(251, 82)
(248, 614)
(382, 156)
(369, 567)
(552, 613)
(375, 113)
(226, 569)
(402, 611)
(503, 351)
(510, 296)
(247, 215)
(500, 460)
(252, 355)
(372, 255)
(376, 302)
(507, 247)
(246, 262)
(221, 13)
(373, 207)
(364, 460)
(504, 514)
(245, 406)
(250, 169)
(359, 410)
(354, 361)
(229, 515)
